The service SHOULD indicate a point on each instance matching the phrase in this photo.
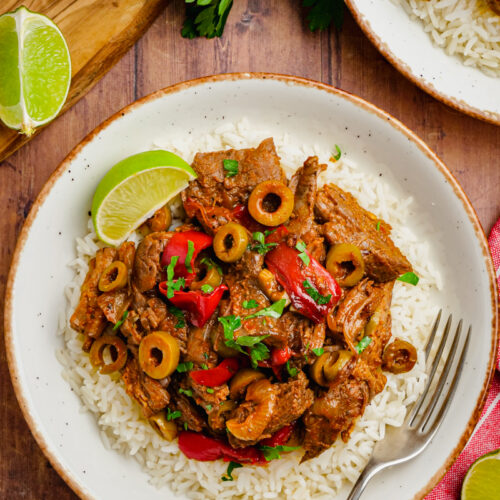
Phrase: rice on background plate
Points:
(120, 422)
(469, 29)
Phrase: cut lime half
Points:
(35, 70)
(134, 189)
(482, 481)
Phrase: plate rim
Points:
(457, 104)
(72, 480)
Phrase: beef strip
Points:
(114, 304)
(208, 400)
(344, 221)
(199, 347)
(335, 411)
(147, 260)
(302, 225)
(149, 393)
(213, 195)
(88, 317)
(303, 334)
(190, 414)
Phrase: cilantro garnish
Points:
(172, 415)
(273, 452)
(185, 367)
(363, 344)
(209, 407)
(315, 295)
(207, 288)
(185, 426)
(173, 286)
(231, 167)
(323, 12)
(261, 246)
(377, 227)
(120, 321)
(230, 468)
(292, 371)
(410, 278)
(204, 366)
(210, 390)
(230, 324)
(179, 315)
(337, 156)
(250, 304)
(210, 263)
(274, 310)
(301, 247)
(187, 392)
(318, 351)
(205, 18)
(189, 256)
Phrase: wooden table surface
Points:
(261, 35)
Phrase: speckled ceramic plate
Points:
(310, 111)
(409, 48)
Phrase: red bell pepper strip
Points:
(284, 262)
(203, 448)
(219, 375)
(277, 235)
(280, 356)
(198, 306)
(242, 215)
(280, 437)
(179, 245)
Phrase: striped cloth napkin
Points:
(486, 436)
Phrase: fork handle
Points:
(369, 471)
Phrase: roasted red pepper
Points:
(277, 235)
(179, 245)
(218, 375)
(200, 447)
(280, 356)
(242, 215)
(280, 437)
(198, 306)
(292, 273)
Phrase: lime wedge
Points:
(134, 189)
(482, 481)
(35, 70)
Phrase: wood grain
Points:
(261, 35)
(97, 32)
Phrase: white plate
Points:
(311, 111)
(409, 48)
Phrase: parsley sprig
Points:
(173, 286)
(323, 12)
(172, 415)
(179, 314)
(230, 468)
(205, 17)
(273, 452)
(314, 294)
(259, 245)
(231, 167)
(301, 247)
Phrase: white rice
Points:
(119, 419)
(468, 29)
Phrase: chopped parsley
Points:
(179, 314)
(410, 278)
(250, 304)
(205, 355)
(292, 371)
(230, 324)
(275, 310)
(301, 247)
(230, 468)
(377, 227)
(318, 351)
(337, 156)
(173, 286)
(210, 390)
(315, 295)
(189, 256)
(210, 263)
(209, 407)
(273, 452)
(207, 288)
(187, 392)
(121, 321)
(185, 367)
(363, 344)
(260, 244)
(231, 167)
(185, 426)
(172, 415)
(204, 366)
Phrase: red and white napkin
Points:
(486, 436)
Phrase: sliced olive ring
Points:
(326, 368)
(159, 354)
(230, 242)
(242, 380)
(399, 357)
(167, 429)
(212, 277)
(345, 263)
(271, 203)
(114, 277)
(117, 352)
(160, 221)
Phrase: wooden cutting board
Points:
(98, 33)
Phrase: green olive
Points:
(326, 368)
(167, 429)
(114, 277)
(117, 351)
(271, 203)
(230, 242)
(159, 354)
(345, 263)
(399, 357)
(160, 221)
(212, 277)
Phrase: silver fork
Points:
(406, 442)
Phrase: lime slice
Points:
(35, 70)
(482, 481)
(134, 189)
